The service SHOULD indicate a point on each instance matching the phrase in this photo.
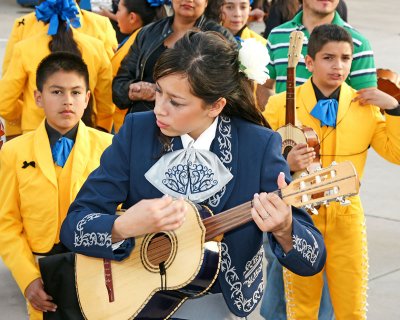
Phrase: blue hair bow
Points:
(55, 10)
(158, 3)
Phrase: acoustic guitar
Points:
(389, 82)
(166, 268)
(291, 133)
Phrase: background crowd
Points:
(129, 63)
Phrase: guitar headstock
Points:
(333, 183)
(295, 46)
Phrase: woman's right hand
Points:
(142, 91)
(150, 216)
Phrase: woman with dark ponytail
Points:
(218, 154)
(20, 78)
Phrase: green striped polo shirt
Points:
(362, 72)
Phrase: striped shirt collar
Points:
(298, 20)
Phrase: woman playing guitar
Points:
(207, 142)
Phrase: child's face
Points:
(126, 20)
(178, 111)
(331, 65)
(235, 14)
(64, 98)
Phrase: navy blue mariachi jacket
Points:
(251, 152)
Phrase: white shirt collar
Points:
(204, 140)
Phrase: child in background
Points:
(235, 14)
(347, 123)
(132, 15)
(42, 171)
(19, 79)
(29, 25)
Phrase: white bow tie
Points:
(190, 173)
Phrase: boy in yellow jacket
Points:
(347, 123)
(29, 25)
(41, 173)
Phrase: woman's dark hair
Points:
(141, 8)
(211, 65)
(325, 33)
(68, 62)
(213, 10)
(288, 8)
(63, 40)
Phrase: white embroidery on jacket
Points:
(91, 238)
(233, 280)
(225, 146)
(253, 268)
(309, 252)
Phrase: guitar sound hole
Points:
(286, 151)
(159, 249)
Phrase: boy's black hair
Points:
(325, 33)
(68, 62)
(61, 61)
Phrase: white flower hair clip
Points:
(254, 58)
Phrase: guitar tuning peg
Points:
(311, 209)
(343, 201)
(303, 174)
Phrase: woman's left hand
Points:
(272, 214)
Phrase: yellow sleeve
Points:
(386, 138)
(14, 248)
(103, 94)
(272, 112)
(110, 43)
(15, 36)
(12, 86)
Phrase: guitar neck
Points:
(322, 186)
(229, 220)
(290, 96)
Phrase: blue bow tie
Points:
(326, 111)
(61, 150)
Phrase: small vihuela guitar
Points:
(166, 268)
(291, 133)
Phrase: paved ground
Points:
(377, 21)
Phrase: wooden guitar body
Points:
(389, 82)
(190, 266)
(292, 135)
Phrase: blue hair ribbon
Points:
(52, 11)
(158, 3)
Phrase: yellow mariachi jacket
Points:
(20, 78)
(248, 33)
(92, 24)
(119, 114)
(31, 210)
(358, 127)
(26, 26)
